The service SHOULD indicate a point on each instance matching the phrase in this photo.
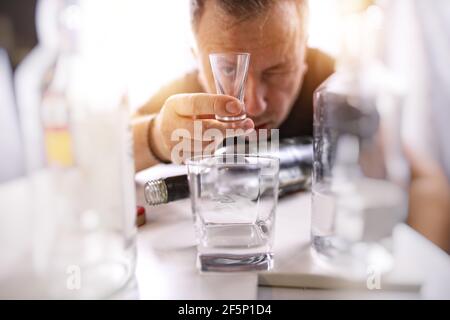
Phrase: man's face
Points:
(277, 47)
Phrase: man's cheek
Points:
(282, 108)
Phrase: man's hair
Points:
(244, 9)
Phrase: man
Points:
(282, 76)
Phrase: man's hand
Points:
(181, 111)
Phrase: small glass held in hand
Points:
(234, 198)
(230, 75)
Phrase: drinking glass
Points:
(230, 74)
(234, 199)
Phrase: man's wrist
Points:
(153, 149)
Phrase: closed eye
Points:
(278, 70)
(228, 71)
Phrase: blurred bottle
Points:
(360, 173)
(84, 244)
(32, 76)
(295, 156)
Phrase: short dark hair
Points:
(244, 9)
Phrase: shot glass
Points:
(234, 199)
(230, 75)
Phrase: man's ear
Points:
(194, 52)
(194, 48)
(305, 49)
(193, 44)
(305, 68)
(306, 39)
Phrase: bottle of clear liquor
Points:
(359, 171)
(295, 156)
(84, 194)
(32, 78)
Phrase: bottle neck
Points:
(156, 192)
(59, 24)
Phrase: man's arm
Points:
(146, 153)
(187, 84)
(181, 105)
(429, 204)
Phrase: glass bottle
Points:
(295, 156)
(359, 172)
(84, 242)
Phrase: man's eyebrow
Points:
(278, 66)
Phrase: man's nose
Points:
(255, 102)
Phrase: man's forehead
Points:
(277, 28)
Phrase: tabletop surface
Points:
(166, 264)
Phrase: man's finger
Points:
(208, 130)
(228, 129)
(202, 104)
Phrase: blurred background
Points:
(153, 41)
(146, 44)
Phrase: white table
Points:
(166, 263)
(166, 257)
